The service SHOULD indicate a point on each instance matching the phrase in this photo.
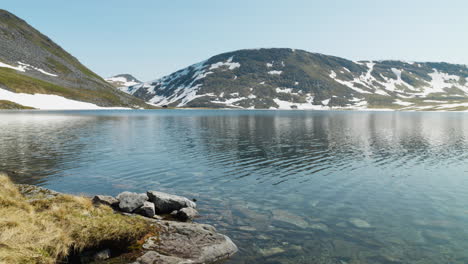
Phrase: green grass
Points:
(47, 230)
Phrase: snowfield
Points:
(48, 101)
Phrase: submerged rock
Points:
(320, 226)
(106, 200)
(129, 202)
(287, 217)
(166, 203)
(359, 223)
(271, 251)
(187, 243)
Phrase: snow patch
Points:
(48, 101)
(275, 72)
(231, 65)
(121, 81)
(22, 67)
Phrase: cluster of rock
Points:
(177, 242)
(151, 204)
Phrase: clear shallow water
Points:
(287, 186)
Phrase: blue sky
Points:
(152, 38)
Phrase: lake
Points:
(338, 187)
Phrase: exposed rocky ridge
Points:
(122, 80)
(30, 62)
(290, 79)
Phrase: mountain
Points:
(122, 80)
(297, 79)
(31, 63)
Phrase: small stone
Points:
(129, 202)
(359, 223)
(157, 217)
(106, 200)
(187, 213)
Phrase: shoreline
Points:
(137, 228)
(387, 110)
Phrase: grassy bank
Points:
(46, 230)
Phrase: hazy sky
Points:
(152, 38)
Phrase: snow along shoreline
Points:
(50, 102)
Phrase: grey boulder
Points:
(187, 243)
(187, 213)
(106, 200)
(166, 203)
(147, 209)
(129, 202)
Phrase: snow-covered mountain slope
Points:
(296, 79)
(122, 80)
(31, 63)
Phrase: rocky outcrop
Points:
(187, 243)
(34, 193)
(167, 203)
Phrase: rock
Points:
(174, 213)
(166, 203)
(153, 257)
(187, 213)
(319, 226)
(157, 217)
(247, 228)
(271, 251)
(147, 209)
(190, 242)
(36, 193)
(102, 255)
(284, 216)
(106, 200)
(129, 202)
(359, 223)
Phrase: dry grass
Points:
(46, 230)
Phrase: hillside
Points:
(297, 79)
(31, 63)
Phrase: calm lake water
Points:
(286, 186)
